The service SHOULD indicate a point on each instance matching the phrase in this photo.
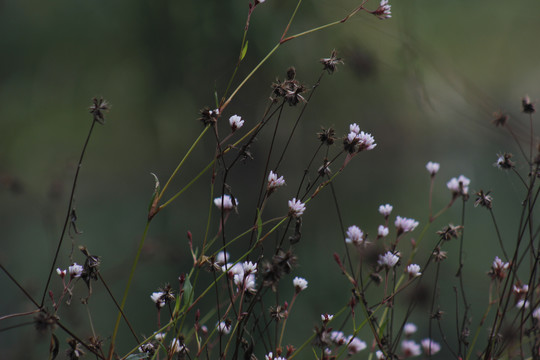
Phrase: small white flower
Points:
(380, 355)
(383, 11)
(522, 304)
(157, 298)
(222, 257)
(355, 345)
(75, 270)
(410, 348)
(459, 186)
(413, 270)
(433, 167)
(296, 208)
(176, 346)
(271, 356)
(352, 137)
(383, 231)
(385, 210)
(232, 270)
(249, 267)
(245, 282)
(160, 336)
(409, 329)
(354, 235)
(404, 225)
(61, 273)
(430, 347)
(300, 284)
(520, 290)
(274, 182)
(365, 141)
(354, 128)
(236, 122)
(500, 265)
(225, 202)
(337, 337)
(388, 260)
(536, 314)
(326, 317)
(223, 328)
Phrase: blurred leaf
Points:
(259, 224)
(244, 51)
(156, 191)
(137, 356)
(54, 347)
(188, 294)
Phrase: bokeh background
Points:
(425, 83)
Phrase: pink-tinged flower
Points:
(296, 208)
(75, 270)
(409, 329)
(413, 270)
(522, 304)
(432, 167)
(236, 122)
(337, 337)
(520, 290)
(225, 202)
(355, 345)
(354, 235)
(404, 225)
(430, 347)
(383, 231)
(365, 141)
(223, 328)
(388, 260)
(274, 182)
(383, 11)
(61, 273)
(380, 355)
(354, 128)
(158, 298)
(498, 269)
(299, 284)
(410, 348)
(385, 210)
(459, 186)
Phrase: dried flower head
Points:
(325, 168)
(98, 108)
(438, 254)
(528, 106)
(327, 136)
(209, 117)
(290, 89)
(499, 118)
(504, 162)
(484, 199)
(449, 232)
(330, 64)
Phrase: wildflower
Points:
(528, 106)
(271, 356)
(385, 210)
(222, 257)
(413, 270)
(484, 199)
(178, 347)
(245, 282)
(536, 314)
(225, 202)
(430, 347)
(209, 116)
(383, 11)
(98, 108)
(249, 267)
(383, 231)
(404, 225)
(147, 348)
(224, 327)
(160, 336)
(236, 122)
(354, 235)
(299, 284)
(326, 317)
(504, 162)
(365, 141)
(296, 208)
(438, 254)
(520, 291)
(354, 129)
(357, 140)
(522, 304)
(388, 260)
(232, 270)
(409, 329)
(355, 345)
(274, 182)
(498, 269)
(380, 355)
(410, 348)
(75, 270)
(61, 273)
(459, 186)
(433, 168)
(330, 64)
(157, 298)
(337, 337)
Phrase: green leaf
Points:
(188, 294)
(137, 356)
(259, 224)
(244, 51)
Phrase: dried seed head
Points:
(499, 118)
(330, 64)
(45, 322)
(439, 255)
(98, 108)
(449, 232)
(209, 117)
(528, 106)
(484, 199)
(327, 136)
(504, 162)
(289, 89)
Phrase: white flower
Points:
(351, 137)
(520, 290)
(498, 264)
(536, 314)
(296, 208)
(404, 225)
(413, 270)
(245, 282)
(160, 336)
(60, 272)
(365, 141)
(299, 284)
(388, 260)
(157, 297)
(385, 210)
(355, 345)
(380, 355)
(236, 122)
(326, 317)
(274, 182)
(176, 346)
(271, 356)
(354, 128)
(433, 167)
(225, 202)
(75, 270)
(459, 186)
(498, 269)
(354, 235)
(430, 347)
(223, 328)
(232, 270)
(522, 304)
(383, 11)
(222, 257)
(410, 348)
(337, 337)
(409, 329)
(249, 267)
(383, 231)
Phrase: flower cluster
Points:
(274, 181)
(357, 140)
(242, 274)
(405, 225)
(225, 202)
(459, 186)
(296, 208)
(355, 235)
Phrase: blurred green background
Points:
(425, 83)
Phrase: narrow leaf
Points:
(259, 224)
(156, 191)
(244, 51)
